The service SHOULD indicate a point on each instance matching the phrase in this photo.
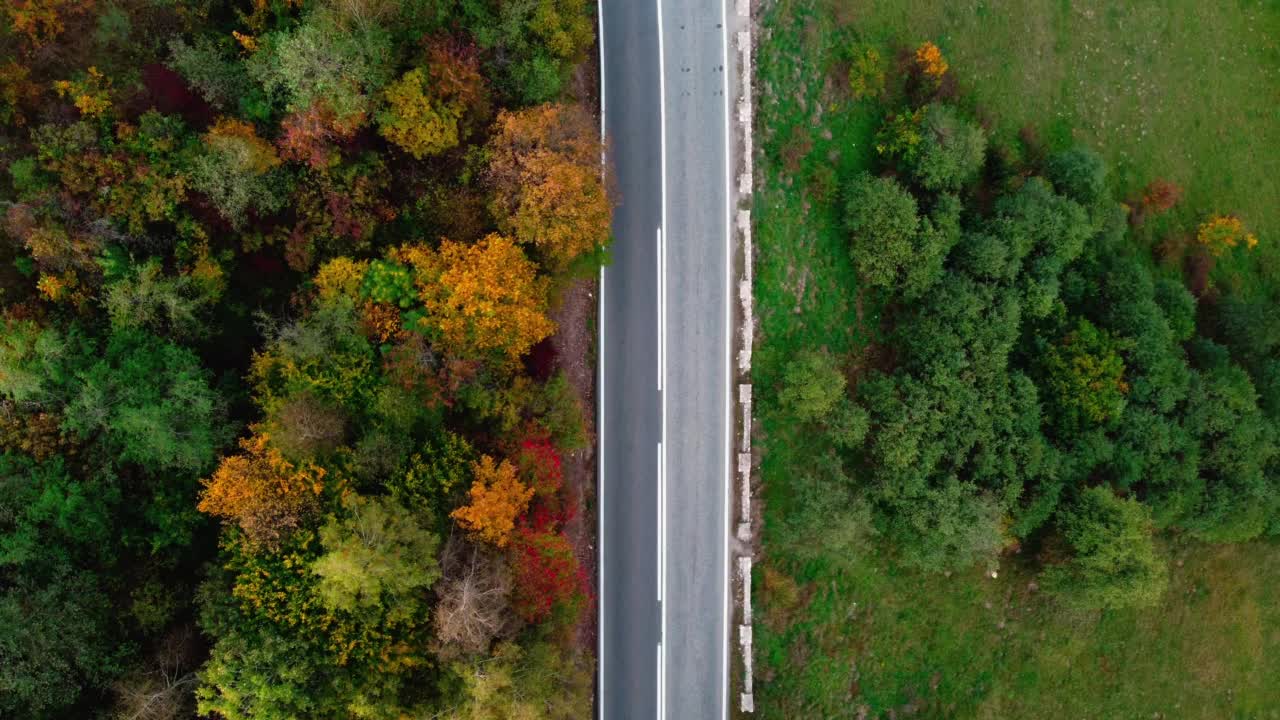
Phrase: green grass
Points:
(855, 631)
(1179, 89)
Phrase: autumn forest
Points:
(287, 423)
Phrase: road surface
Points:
(664, 354)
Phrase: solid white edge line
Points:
(728, 345)
(662, 398)
(600, 401)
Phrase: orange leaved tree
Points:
(484, 299)
(497, 499)
(548, 189)
(261, 491)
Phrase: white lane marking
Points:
(662, 110)
(728, 328)
(661, 265)
(600, 35)
(600, 399)
(662, 536)
(662, 695)
(662, 398)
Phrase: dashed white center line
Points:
(661, 265)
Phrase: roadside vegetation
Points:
(285, 429)
(1018, 383)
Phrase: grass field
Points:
(1179, 89)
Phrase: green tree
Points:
(53, 641)
(939, 233)
(321, 353)
(950, 152)
(56, 631)
(436, 476)
(536, 42)
(1086, 377)
(377, 557)
(267, 677)
(1044, 232)
(212, 71)
(175, 306)
(1079, 173)
(1114, 562)
(48, 518)
(882, 221)
(238, 172)
(540, 682)
(1240, 497)
(952, 525)
(38, 365)
(153, 403)
(322, 62)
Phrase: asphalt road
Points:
(663, 641)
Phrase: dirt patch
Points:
(575, 351)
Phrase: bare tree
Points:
(474, 600)
(309, 427)
(165, 691)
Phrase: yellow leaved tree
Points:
(483, 299)
(261, 491)
(497, 499)
(548, 189)
(419, 123)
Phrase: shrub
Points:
(1160, 196)
(866, 74)
(930, 61)
(1221, 233)
(813, 386)
(546, 574)
(900, 135)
